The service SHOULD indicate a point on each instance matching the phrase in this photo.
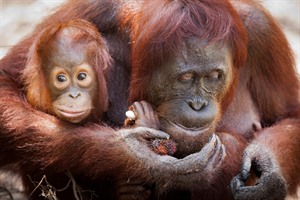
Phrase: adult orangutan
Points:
(180, 38)
(186, 67)
(64, 75)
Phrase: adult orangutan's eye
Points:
(187, 76)
(213, 75)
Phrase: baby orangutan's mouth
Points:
(72, 113)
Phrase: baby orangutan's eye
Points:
(81, 76)
(61, 78)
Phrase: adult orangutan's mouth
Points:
(192, 130)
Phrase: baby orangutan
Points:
(64, 75)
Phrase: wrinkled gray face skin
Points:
(188, 89)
